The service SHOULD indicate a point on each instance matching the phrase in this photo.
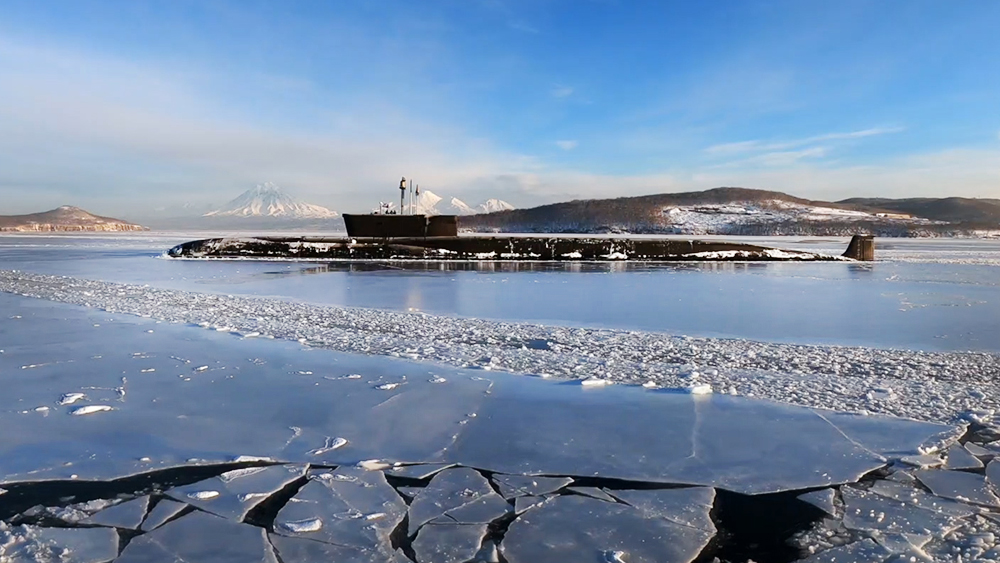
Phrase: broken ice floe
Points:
(235, 493)
(346, 507)
(164, 511)
(128, 515)
(24, 544)
(200, 536)
(458, 495)
(449, 542)
(599, 529)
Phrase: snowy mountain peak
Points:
(268, 200)
(459, 207)
(494, 205)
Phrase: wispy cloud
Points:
(567, 145)
(778, 158)
(758, 145)
(523, 27)
(562, 92)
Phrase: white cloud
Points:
(79, 129)
(757, 145)
(567, 145)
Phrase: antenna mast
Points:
(402, 194)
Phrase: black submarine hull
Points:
(489, 248)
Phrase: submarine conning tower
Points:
(862, 248)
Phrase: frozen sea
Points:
(197, 410)
(921, 294)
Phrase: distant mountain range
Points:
(741, 211)
(268, 200)
(63, 219)
(429, 203)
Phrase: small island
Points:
(64, 219)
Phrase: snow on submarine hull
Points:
(502, 248)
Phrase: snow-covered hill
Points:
(721, 211)
(268, 200)
(429, 203)
(739, 216)
(65, 218)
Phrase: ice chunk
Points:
(128, 515)
(89, 409)
(903, 543)
(70, 398)
(449, 543)
(687, 507)
(993, 474)
(329, 445)
(522, 504)
(163, 512)
(512, 486)
(867, 511)
(235, 493)
(295, 550)
(348, 507)
(823, 499)
(918, 497)
(958, 485)
(978, 451)
(423, 471)
(79, 545)
(298, 527)
(894, 437)
(864, 551)
(462, 491)
(592, 492)
(578, 528)
(200, 536)
(960, 458)
(923, 461)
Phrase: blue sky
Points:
(130, 107)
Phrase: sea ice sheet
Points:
(281, 401)
(578, 528)
(538, 430)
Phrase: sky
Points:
(146, 108)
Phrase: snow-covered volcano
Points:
(268, 200)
